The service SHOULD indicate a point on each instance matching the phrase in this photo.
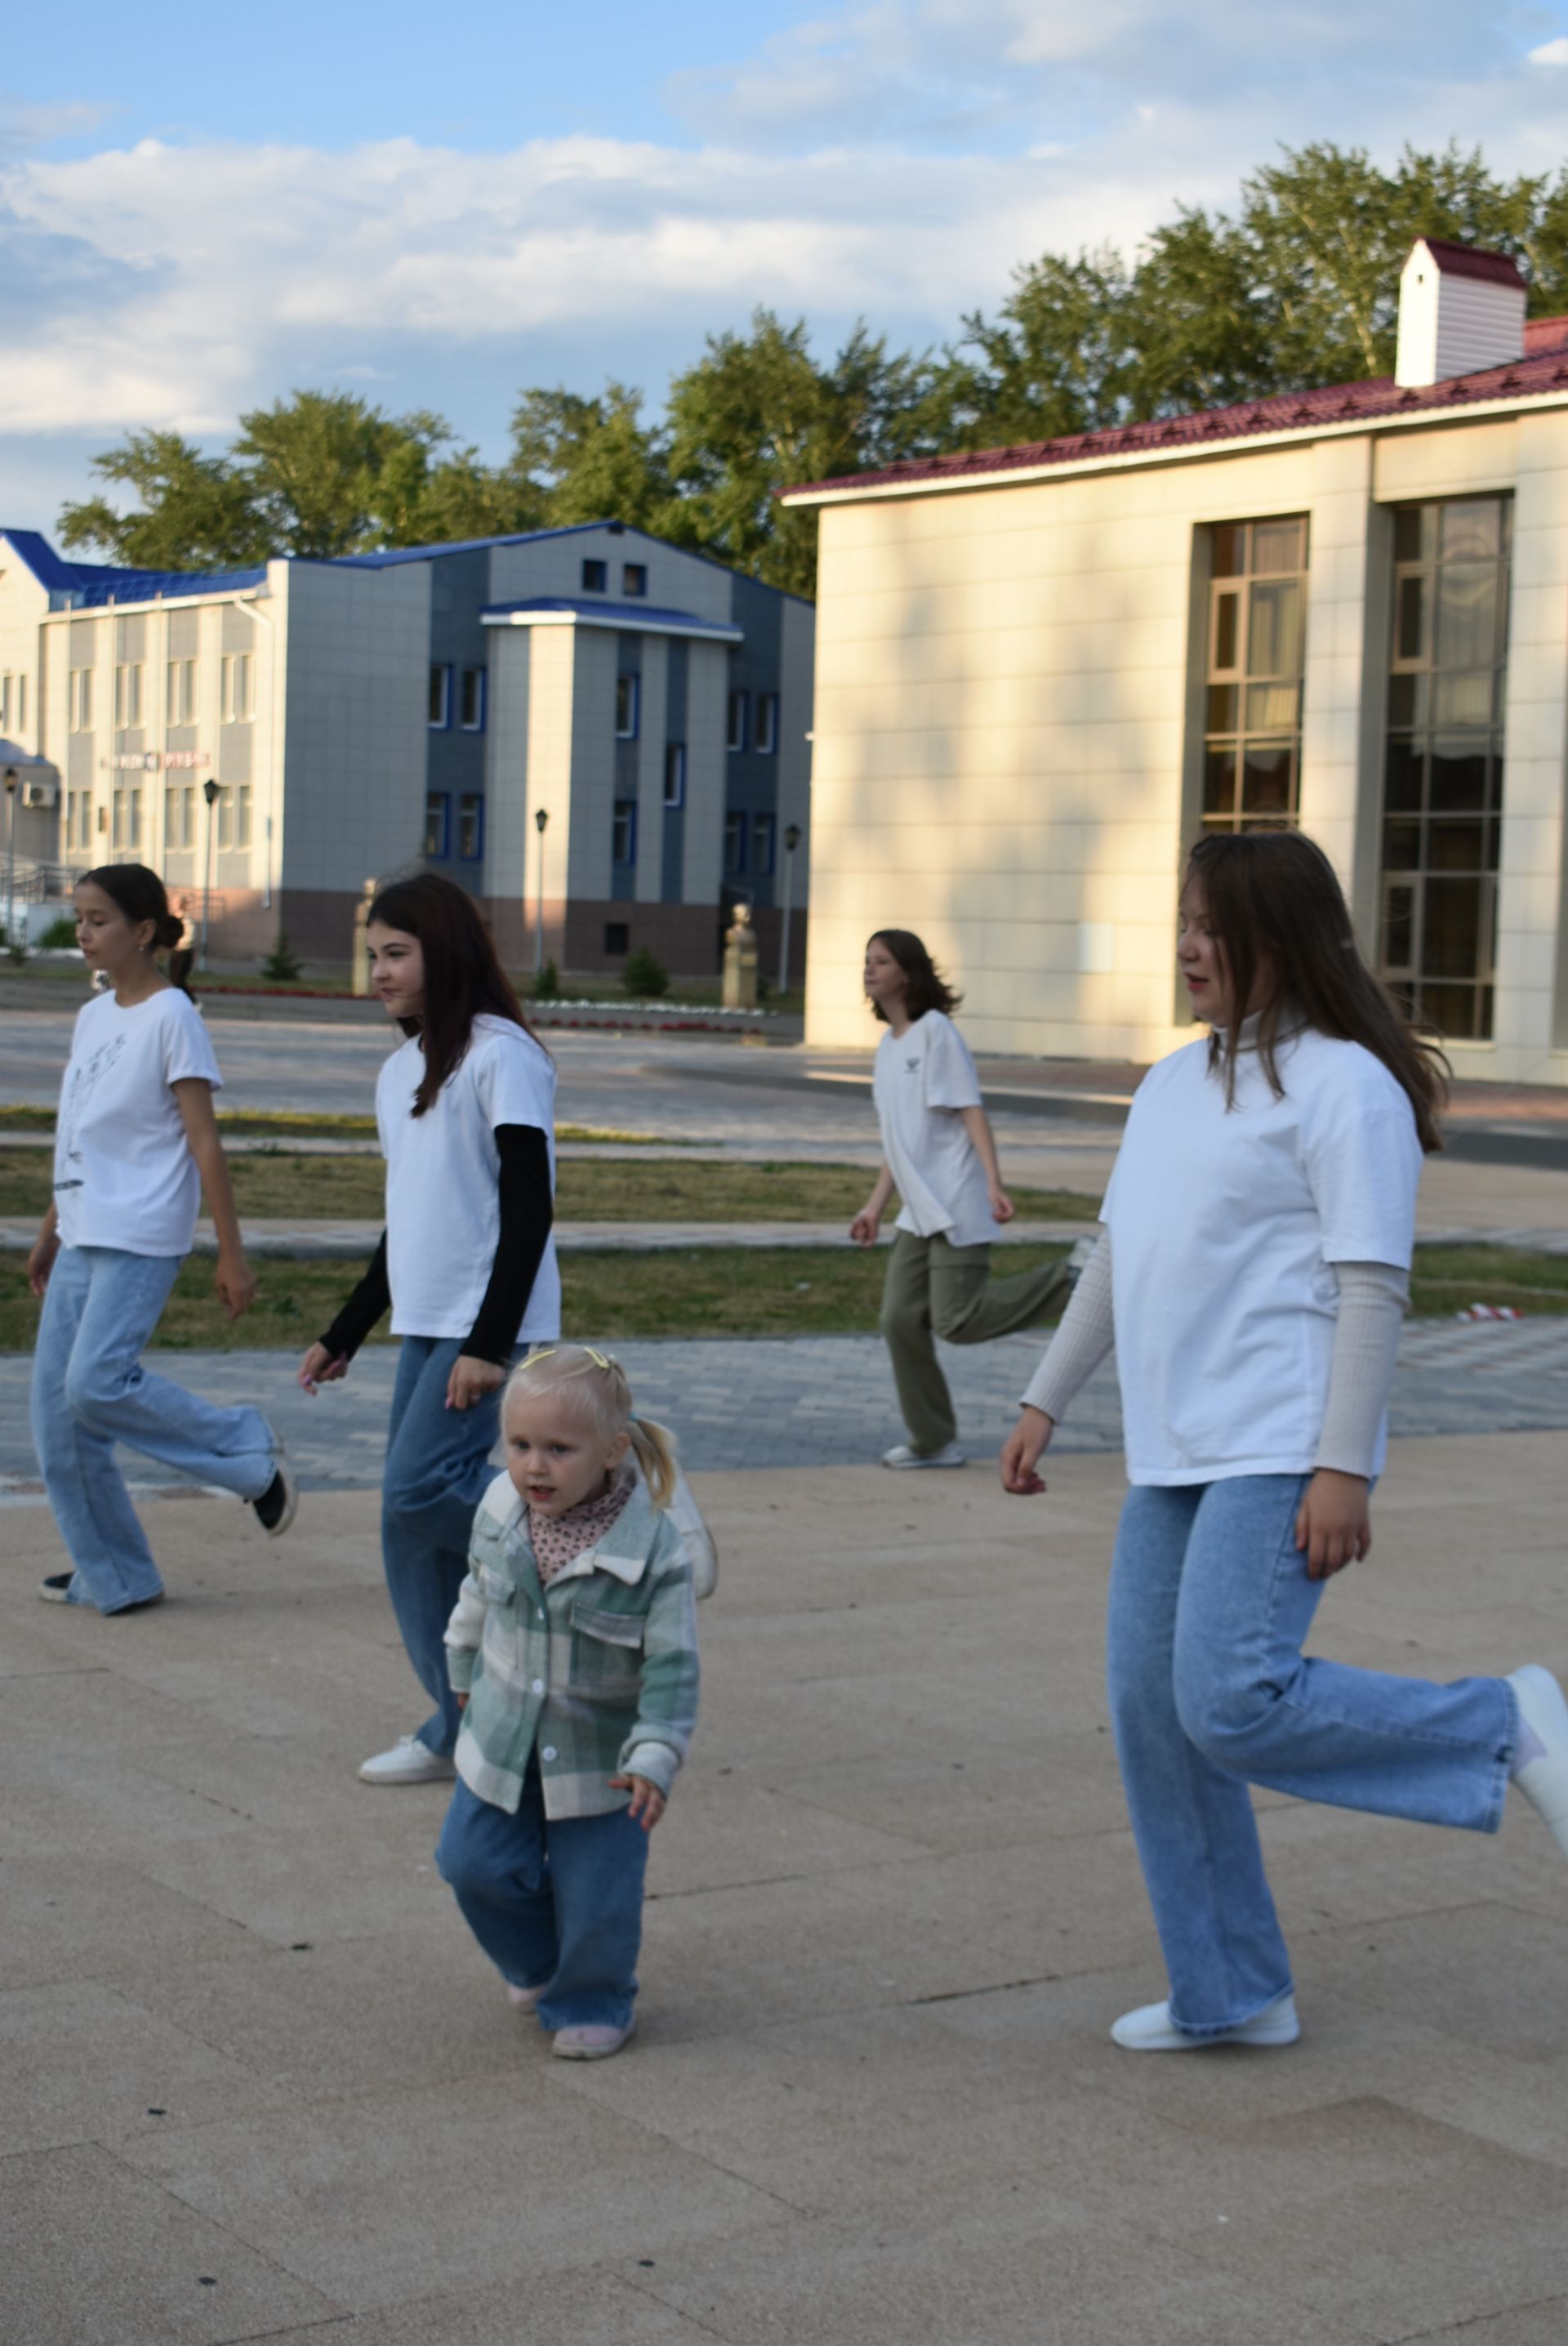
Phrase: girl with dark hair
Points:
(938, 1154)
(1253, 1271)
(465, 1110)
(136, 1143)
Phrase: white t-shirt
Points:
(444, 1172)
(920, 1080)
(1225, 1227)
(124, 1173)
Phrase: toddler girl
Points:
(572, 1654)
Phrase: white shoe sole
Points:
(1545, 1782)
(1149, 2030)
(442, 1772)
(909, 1466)
(590, 2052)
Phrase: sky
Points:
(202, 208)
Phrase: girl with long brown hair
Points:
(1253, 1271)
(465, 1110)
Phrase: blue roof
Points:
(87, 586)
(649, 618)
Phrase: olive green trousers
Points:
(936, 1289)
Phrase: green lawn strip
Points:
(247, 1124)
(275, 1185)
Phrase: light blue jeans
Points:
(437, 1471)
(90, 1390)
(555, 1904)
(1210, 1605)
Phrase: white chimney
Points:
(1460, 310)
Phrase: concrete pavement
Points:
(257, 2082)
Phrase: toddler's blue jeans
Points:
(554, 1903)
(1209, 1604)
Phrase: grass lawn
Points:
(273, 1184)
(303, 1124)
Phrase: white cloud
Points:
(1549, 53)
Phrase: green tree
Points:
(193, 512)
(589, 459)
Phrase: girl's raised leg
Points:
(105, 1540)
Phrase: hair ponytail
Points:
(653, 1446)
(136, 890)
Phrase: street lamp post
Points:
(541, 818)
(791, 842)
(12, 778)
(209, 793)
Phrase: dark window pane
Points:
(1493, 831)
(1406, 694)
(1277, 545)
(1408, 619)
(1398, 928)
(1403, 791)
(1450, 1008)
(1222, 708)
(1466, 615)
(1455, 846)
(1230, 549)
(1464, 700)
(1484, 1013)
(1219, 780)
(1473, 527)
(1267, 778)
(1458, 776)
(1401, 846)
(1274, 635)
(1227, 609)
(1273, 708)
(1410, 533)
(1451, 938)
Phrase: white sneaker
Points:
(1149, 2029)
(1544, 1780)
(523, 1999)
(590, 2044)
(902, 1456)
(409, 1761)
(700, 1544)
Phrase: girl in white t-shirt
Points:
(938, 1153)
(1253, 1269)
(136, 1144)
(466, 1109)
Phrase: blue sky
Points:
(202, 208)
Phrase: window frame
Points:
(767, 724)
(1238, 739)
(634, 582)
(470, 802)
(735, 829)
(623, 818)
(674, 766)
(634, 684)
(437, 807)
(478, 676)
(599, 582)
(764, 843)
(442, 723)
(737, 735)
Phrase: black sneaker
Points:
(280, 1502)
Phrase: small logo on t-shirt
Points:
(914, 1065)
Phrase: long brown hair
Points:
(927, 989)
(1278, 915)
(463, 977)
(137, 892)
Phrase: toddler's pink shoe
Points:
(590, 2044)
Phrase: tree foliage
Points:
(1296, 286)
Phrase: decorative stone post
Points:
(740, 961)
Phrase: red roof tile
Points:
(1543, 334)
(1536, 375)
(1469, 260)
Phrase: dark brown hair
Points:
(1275, 908)
(926, 988)
(140, 894)
(462, 974)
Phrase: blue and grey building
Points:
(425, 704)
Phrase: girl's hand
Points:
(41, 1260)
(236, 1284)
(1002, 1209)
(471, 1380)
(1028, 1441)
(462, 1702)
(647, 1803)
(863, 1229)
(1332, 1525)
(320, 1368)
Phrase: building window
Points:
(634, 579)
(233, 819)
(5, 702)
(81, 701)
(440, 697)
(134, 839)
(170, 817)
(739, 711)
(21, 704)
(179, 693)
(471, 700)
(624, 831)
(471, 826)
(128, 695)
(1252, 699)
(735, 842)
(187, 816)
(764, 828)
(1442, 774)
(675, 773)
(768, 723)
(595, 578)
(437, 825)
(616, 937)
(234, 688)
(628, 697)
(78, 818)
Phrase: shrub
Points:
(546, 984)
(645, 976)
(58, 934)
(281, 964)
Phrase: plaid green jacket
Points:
(598, 1671)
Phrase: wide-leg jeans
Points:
(437, 1471)
(1210, 1602)
(90, 1390)
(933, 1288)
(556, 1903)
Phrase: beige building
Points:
(1041, 671)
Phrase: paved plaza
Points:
(257, 2082)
